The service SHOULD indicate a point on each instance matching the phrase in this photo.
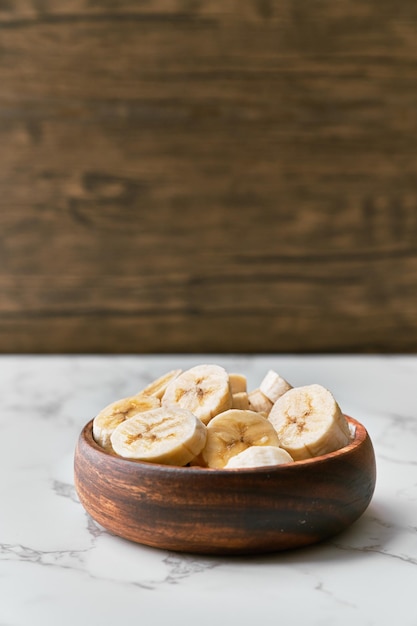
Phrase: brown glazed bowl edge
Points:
(234, 511)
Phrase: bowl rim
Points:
(359, 436)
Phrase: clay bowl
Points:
(238, 511)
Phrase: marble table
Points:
(58, 567)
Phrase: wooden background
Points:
(217, 175)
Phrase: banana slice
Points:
(240, 400)
(117, 412)
(309, 422)
(259, 456)
(259, 402)
(237, 382)
(157, 387)
(172, 436)
(233, 431)
(273, 386)
(204, 390)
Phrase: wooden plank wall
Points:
(220, 175)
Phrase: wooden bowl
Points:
(239, 511)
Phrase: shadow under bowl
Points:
(239, 511)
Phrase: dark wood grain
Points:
(226, 511)
(217, 176)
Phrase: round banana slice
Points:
(233, 431)
(238, 383)
(117, 412)
(158, 387)
(204, 390)
(172, 436)
(240, 400)
(259, 456)
(273, 386)
(259, 402)
(309, 422)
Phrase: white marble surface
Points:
(57, 567)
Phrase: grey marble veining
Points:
(57, 566)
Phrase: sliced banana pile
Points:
(205, 416)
